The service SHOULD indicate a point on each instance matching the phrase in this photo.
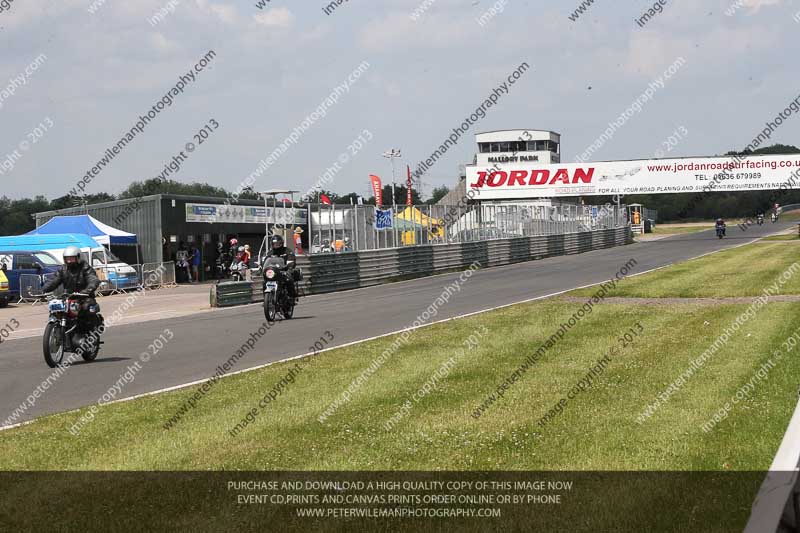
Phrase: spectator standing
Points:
(195, 259)
(298, 240)
(182, 264)
(246, 261)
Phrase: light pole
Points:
(392, 155)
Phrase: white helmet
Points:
(71, 251)
(241, 248)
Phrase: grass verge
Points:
(742, 271)
(676, 229)
(597, 431)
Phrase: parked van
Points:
(31, 262)
(5, 293)
(109, 268)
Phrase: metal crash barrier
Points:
(109, 280)
(230, 293)
(335, 272)
(30, 288)
(777, 504)
(113, 280)
(351, 270)
(157, 275)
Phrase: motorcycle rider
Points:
(234, 245)
(222, 262)
(278, 249)
(77, 277)
(720, 224)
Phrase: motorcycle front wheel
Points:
(288, 307)
(270, 307)
(93, 349)
(53, 344)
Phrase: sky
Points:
(431, 64)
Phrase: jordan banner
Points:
(646, 176)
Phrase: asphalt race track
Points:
(203, 342)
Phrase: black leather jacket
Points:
(82, 279)
(287, 256)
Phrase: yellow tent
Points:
(433, 226)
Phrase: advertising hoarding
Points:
(645, 176)
(241, 214)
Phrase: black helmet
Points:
(277, 242)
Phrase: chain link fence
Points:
(343, 228)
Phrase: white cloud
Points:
(162, 44)
(755, 5)
(225, 13)
(398, 31)
(279, 17)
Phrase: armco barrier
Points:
(333, 272)
(352, 270)
(777, 504)
(230, 293)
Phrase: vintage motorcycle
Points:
(276, 294)
(66, 333)
(237, 271)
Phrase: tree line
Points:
(18, 216)
(726, 205)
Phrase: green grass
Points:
(669, 229)
(742, 271)
(783, 237)
(597, 430)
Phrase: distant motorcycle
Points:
(276, 293)
(720, 231)
(760, 220)
(66, 333)
(182, 268)
(238, 271)
(221, 267)
(774, 217)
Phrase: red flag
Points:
(408, 186)
(286, 201)
(324, 199)
(377, 189)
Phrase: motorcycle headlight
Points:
(270, 274)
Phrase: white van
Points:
(113, 272)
